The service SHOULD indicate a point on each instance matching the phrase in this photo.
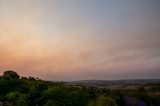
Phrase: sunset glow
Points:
(80, 39)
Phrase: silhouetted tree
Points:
(10, 75)
(32, 78)
(24, 78)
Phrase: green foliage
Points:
(32, 91)
(79, 97)
(50, 103)
(91, 103)
(17, 98)
(105, 101)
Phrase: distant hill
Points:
(115, 82)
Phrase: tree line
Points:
(29, 91)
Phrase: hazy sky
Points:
(80, 39)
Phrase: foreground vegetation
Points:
(29, 91)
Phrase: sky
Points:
(80, 39)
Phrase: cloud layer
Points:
(59, 40)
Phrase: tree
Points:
(32, 78)
(10, 75)
(105, 101)
(50, 103)
(17, 99)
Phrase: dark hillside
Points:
(29, 91)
